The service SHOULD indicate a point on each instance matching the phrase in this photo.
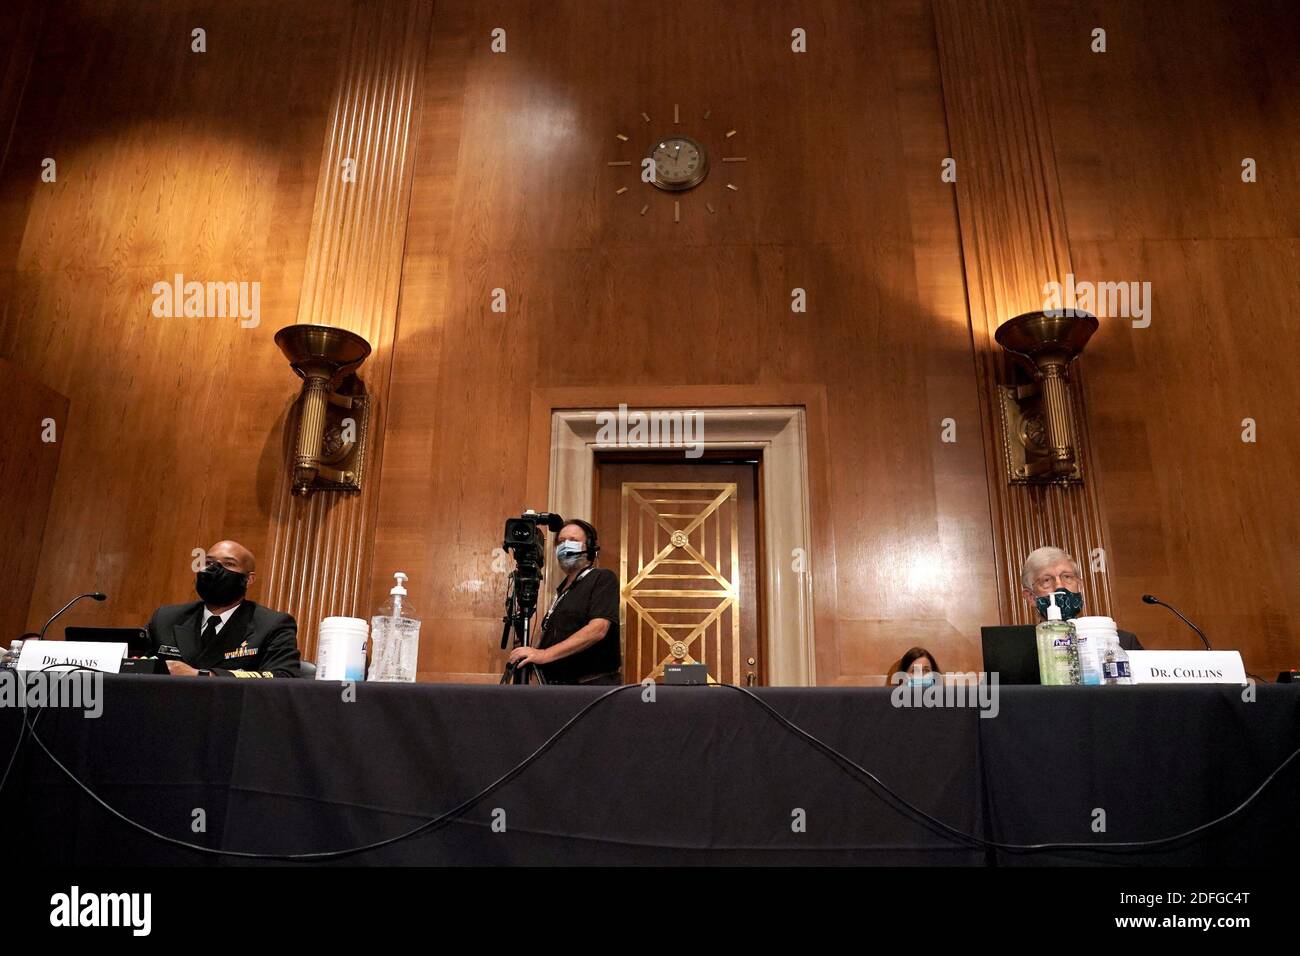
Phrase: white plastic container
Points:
(1096, 635)
(341, 649)
(1112, 659)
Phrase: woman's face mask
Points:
(921, 680)
(1070, 603)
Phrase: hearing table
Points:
(703, 775)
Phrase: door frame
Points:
(780, 434)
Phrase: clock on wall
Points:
(680, 163)
(675, 163)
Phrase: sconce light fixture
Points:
(329, 451)
(1038, 436)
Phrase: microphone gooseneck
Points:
(1152, 599)
(96, 595)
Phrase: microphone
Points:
(1152, 599)
(97, 595)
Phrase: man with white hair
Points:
(1052, 571)
(1046, 571)
(1048, 575)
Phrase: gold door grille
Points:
(680, 568)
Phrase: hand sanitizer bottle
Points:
(395, 637)
(1058, 657)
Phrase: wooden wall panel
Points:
(168, 161)
(30, 433)
(1013, 242)
(1149, 140)
(1123, 165)
(321, 544)
(20, 27)
(840, 195)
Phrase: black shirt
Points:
(593, 594)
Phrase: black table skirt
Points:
(699, 776)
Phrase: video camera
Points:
(524, 539)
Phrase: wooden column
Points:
(321, 545)
(1013, 242)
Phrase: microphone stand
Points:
(1152, 599)
(97, 595)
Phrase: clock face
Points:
(680, 163)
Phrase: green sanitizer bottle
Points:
(1058, 658)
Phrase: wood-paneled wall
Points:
(30, 429)
(1149, 142)
(1013, 241)
(321, 544)
(210, 164)
(840, 196)
(168, 161)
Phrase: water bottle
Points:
(395, 637)
(1115, 668)
(10, 659)
(1112, 664)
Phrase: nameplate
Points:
(1186, 667)
(70, 655)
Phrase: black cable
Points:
(992, 844)
(429, 825)
(859, 772)
(22, 730)
(13, 756)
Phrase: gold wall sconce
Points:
(1039, 441)
(330, 447)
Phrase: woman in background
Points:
(919, 667)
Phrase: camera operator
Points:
(579, 641)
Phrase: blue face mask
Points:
(568, 551)
(924, 681)
(1070, 603)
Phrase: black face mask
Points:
(219, 586)
(1070, 603)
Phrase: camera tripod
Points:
(518, 620)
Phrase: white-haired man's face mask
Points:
(1061, 574)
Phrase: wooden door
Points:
(683, 538)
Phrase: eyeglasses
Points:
(1066, 579)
